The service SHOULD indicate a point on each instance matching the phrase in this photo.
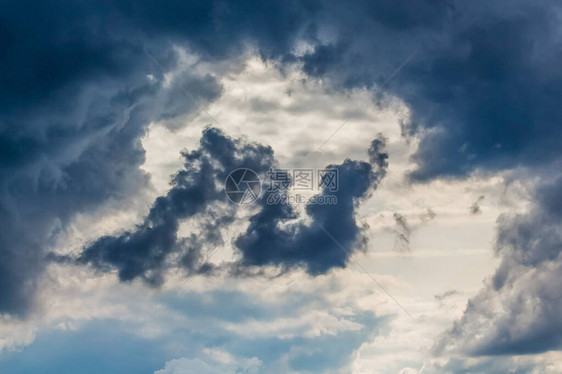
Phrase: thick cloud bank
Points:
(75, 100)
(481, 81)
(275, 235)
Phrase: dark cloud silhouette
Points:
(78, 89)
(272, 239)
(76, 97)
(146, 251)
(378, 156)
(150, 249)
(518, 310)
(71, 162)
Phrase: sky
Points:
(126, 128)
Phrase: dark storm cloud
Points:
(483, 86)
(272, 239)
(146, 251)
(77, 91)
(518, 310)
(154, 245)
(75, 99)
(50, 173)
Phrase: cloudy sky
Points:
(120, 251)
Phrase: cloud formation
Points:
(73, 150)
(78, 92)
(517, 312)
(403, 230)
(144, 252)
(333, 233)
(472, 106)
(79, 102)
(275, 236)
(481, 85)
(475, 207)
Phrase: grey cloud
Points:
(76, 100)
(273, 238)
(518, 310)
(475, 207)
(70, 127)
(51, 173)
(485, 365)
(444, 295)
(146, 252)
(481, 87)
(378, 157)
(402, 232)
